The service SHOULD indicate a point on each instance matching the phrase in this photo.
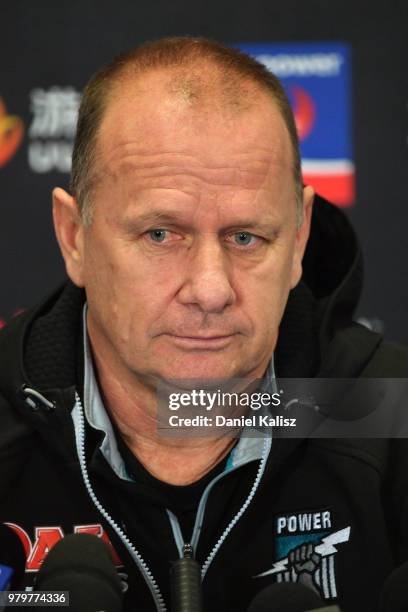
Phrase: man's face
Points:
(193, 245)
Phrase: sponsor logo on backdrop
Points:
(317, 80)
(11, 134)
(304, 110)
(52, 129)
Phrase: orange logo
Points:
(11, 134)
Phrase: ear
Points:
(69, 230)
(302, 235)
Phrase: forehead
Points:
(191, 114)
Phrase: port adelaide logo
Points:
(306, 549)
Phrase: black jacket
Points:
(345, 497)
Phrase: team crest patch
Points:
(306, 548)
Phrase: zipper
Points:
(188, 551)
(175, 525)
(184, 549)
(79, 421)
(251, 495)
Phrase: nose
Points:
(207, 281)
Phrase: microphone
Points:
(394, 595)
(185, 578)
(82, 565)
(12, 559)
(289, 597)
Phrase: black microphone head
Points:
(12, 554)
(82, 564)
(286, 597)
(394, 595)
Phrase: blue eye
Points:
(243, 238)
(157, 235)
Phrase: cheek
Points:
(266, 290)
(266, 310)
(126, 290)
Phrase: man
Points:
(183, 239)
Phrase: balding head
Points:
(195, 74)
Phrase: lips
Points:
(213, 342)
(212, 337)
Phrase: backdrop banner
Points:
(345, 72)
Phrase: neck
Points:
(132, 405)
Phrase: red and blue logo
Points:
(317, 79)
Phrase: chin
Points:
(201, 367)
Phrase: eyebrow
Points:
(153, 217)
(159, 218)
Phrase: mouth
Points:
(202, 342)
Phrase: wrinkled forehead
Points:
(171, 110)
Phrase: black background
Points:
(47, 43)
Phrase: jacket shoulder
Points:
(388, 361)
(356, 351)
(15, 443)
